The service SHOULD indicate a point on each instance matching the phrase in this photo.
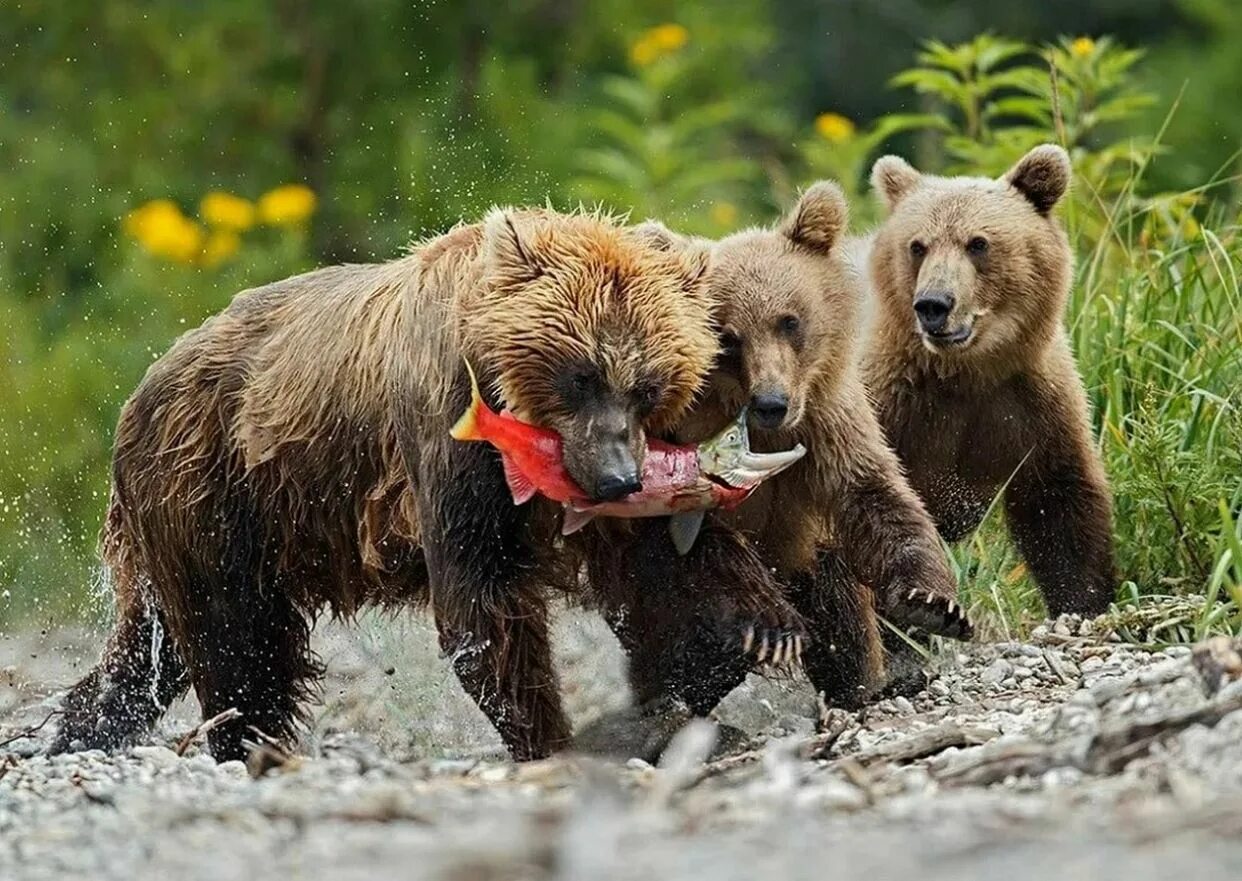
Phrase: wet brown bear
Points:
(293, 453)
(789, 311)
(972, 374)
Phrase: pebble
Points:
(160, 756)
(996, 672)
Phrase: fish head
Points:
(728, 458)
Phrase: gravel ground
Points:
(1069, 757)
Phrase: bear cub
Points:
(971, 372)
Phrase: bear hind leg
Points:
(138, 676)
(251, 653)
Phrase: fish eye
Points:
(977, 246)
(918, 250)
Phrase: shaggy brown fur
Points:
(992, 399)
(293, 453)
(789, 312)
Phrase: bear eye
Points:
(730, 345)
(646, 396)
(788, 324)
(577, 384)
(918, 250)
(978, 245)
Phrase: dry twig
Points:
(205, 726)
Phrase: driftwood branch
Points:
(205, 726)
(31, 731)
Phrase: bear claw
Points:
(936, 615)
(773, 647)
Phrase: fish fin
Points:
(467, 427)
(575, 520)
(519, 484)
(684, 529)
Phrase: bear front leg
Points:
(1060, 514)
(694, 625)
(845, 660)
(487, 596)
(882, 530)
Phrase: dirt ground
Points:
(1070, 757)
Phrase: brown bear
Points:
(293, 455)
(843, 517)
(971, 372)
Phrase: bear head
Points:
(593, 334)
(978, 269)
(788, 308)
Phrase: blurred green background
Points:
(157, 157)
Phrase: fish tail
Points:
(467, 428)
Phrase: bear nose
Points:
(933, 308)
(616, 485)
(770, 409)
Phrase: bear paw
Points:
(931, 613)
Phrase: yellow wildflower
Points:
(221, 245)
(643, 52)
(724, 214)
(834, 127)
(657, 42)
(1082, 47)
(161, 229)
(226, 211)
(288, 205)
(669, 37)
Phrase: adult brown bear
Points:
(293, 454)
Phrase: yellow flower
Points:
(1082, 47)
(669, 37)
(643, 53)
(288, 205)
(834, 127)
(657, 42)
(221, 245)
(226, 211)
(161, 229)
(724, 214)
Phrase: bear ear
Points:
(819, 218)
(656, 235)
(506, 250)
(893, 178)
(1042, 176)
(696, 260)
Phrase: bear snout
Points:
(770, 408)
(933, 308)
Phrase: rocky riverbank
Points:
(1070, 757)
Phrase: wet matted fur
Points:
(293, 455)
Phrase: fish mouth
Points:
(751, 469)
(957, 338)
(754, 468)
